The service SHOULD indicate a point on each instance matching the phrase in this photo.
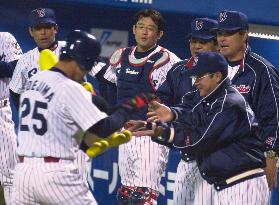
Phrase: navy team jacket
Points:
(258, 81)
(221, 130)
(176, 83)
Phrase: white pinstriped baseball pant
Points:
(192, 189)
(39, 182)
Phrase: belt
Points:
(46, 159)
(239, 178)
(4, 102)
(143, 190)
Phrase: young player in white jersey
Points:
(53, 107)
(136, 69)
(9, 52)
(43, 29)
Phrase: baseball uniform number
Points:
(36, 115)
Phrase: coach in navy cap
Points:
(232, 21)
(42, 16)
(208, 62)
(211, 65)
(202, 37)
(201, 28)
(43, 28)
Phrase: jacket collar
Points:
(243, 60)
(217, 91)
(189, 63)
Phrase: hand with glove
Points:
(136, 103)
(103, 144)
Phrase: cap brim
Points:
(193, 72)
(203, 37)
(226, 29)
(43, 22)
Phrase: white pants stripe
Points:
(142, 162)
(250, 192)
(189, 186)
(191, 189)
(37, 182)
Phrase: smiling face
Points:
(207, 82)
(232, 44)
(146, 34)
(199, 45)
(44, 35)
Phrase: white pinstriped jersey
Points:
(28, 66)
(141, 161)
(9, 51)
(52, 109)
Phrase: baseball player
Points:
(256, 79)
(43, 29)
(136, 69)
(188, 179)
(53, 107)
(10, 52)
(221, 130)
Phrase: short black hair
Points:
(156, 16)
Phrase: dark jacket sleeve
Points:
(7, 69)
(202, 133)
(15, 99)
(110, 124)
(167, 92)
(266, 105)
(108, 90)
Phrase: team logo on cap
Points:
(195, 60)
(41, 12)
(223, 16)
(199, 25)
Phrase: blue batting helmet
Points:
(83, 47)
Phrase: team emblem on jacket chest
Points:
(243, 88)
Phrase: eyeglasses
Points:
(146, 28)
(198, 78)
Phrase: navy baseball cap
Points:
(232, 21)
(201, 28)
(41, 16)
(208, 62)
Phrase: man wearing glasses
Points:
(187, 183)
(216, 124)
(141, 68)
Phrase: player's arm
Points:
(7, 69)
(18, 81)
(107, 85)
(266, 105)
(12, 53)
(167, 91)
(15, 99)
(120, 116)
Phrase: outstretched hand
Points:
(159, 112)
(142, 128)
